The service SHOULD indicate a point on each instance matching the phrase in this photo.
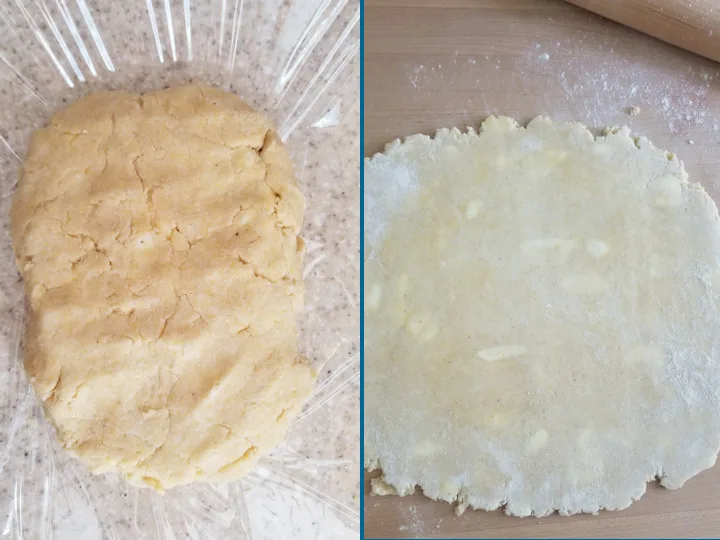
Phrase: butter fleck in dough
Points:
(548, 319)
(158, 239)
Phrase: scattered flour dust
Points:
(599, 83)
(418, 73)
(415, 525)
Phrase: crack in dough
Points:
(158, 239)
(574, 280)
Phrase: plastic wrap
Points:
(297, 60)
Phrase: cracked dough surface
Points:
(158, 239)
(542, 314)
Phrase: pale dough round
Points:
(158, 239)
(542, 318)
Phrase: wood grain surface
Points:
(444, 63)
(694, 25)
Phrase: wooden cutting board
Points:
(444, 63)
(694, 26)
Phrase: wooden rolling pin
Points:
(693, 25)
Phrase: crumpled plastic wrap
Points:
(299, 61)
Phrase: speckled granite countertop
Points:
(298, 61)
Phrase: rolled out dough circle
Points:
(158, 239)
(542, 318)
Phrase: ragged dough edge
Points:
(499, 124)
(385, 484)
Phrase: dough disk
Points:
(541, 318)
(157, 236)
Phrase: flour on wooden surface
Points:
(601, 82)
